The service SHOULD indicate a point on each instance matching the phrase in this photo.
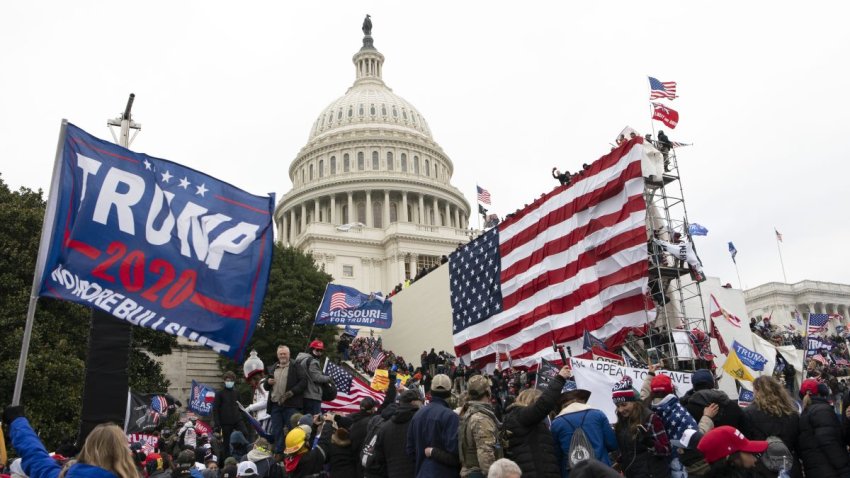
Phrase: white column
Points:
(403, 216)
(457, 217)
(303, 217)
(436, 212)
(369, 222)
(421, 218)
(386, 221)
(284, 234)
(333, 209)
(316, 210)
(448, 214)
(399, 257)
(292, 230)
(351, 216)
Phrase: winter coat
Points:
(296, 382)
(392, 440)
(342, 456)
(758, 425)
(595, 427)
(640, 455)
(225, 409)
(315, 378)
(435, 425)
(359, 424)
(35, 461)
(530, 443)
(729, 414)
(820, 443)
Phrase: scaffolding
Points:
(678, 316)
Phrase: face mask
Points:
(228, 384)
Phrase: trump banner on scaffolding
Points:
(155, 243)
(343, 305)
(599, 377)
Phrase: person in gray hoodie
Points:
(310, 363)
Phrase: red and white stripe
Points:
(574, 260)
(350, 402)
(338, 301)
(668, 92)
(376, 361)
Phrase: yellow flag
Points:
(735, 368)
(402, 378)
(3, 456)
(381, 380)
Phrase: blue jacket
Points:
(435, 426)
(595, 427)
(38, 464)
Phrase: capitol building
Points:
(372, 198)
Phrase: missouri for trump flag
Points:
(574, 260)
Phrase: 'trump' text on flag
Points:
(344, 305)
(156, 244)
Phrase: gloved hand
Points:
(11, 413)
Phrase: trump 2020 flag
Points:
(155, 243)
(343, 305)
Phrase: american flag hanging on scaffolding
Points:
(574, 260)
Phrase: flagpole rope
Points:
(781, 262)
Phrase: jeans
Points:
(312, 407)
(280, 424)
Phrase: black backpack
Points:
(367, 454)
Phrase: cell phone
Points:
(654, 356)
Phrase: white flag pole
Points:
(781, 262)
(43, 247)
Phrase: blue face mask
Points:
(228, 384)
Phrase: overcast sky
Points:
(509, 90)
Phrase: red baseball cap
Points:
(661, 383)
(810, 386)
(724, 441)
(317, 344)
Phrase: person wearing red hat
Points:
(309, 362)
(659, 391)
(821, 443)
(729, 452)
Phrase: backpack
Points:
(367, 454)
(502, 433)
(580, 447)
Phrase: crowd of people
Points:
(447, 419)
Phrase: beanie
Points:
(624, 392)
(661, 383)
(702, 377)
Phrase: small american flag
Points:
(816, 323)
(661, 89)
(340, 300)
(778, 235)
(378, 356)
(350, 390)
(483, 195)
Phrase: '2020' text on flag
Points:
(155, 243)
(574, 260)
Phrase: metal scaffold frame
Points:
(674, 287)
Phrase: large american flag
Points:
(350, 390)
(661, 89)
(378, 356)
(574, 260)
(483, 195)
(816, 323)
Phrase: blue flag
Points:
(201, 399)
(746, 397)
(733, 251)
(155, 243)
(349, 330)
(591, 341)
(343, 305)
(750, 358)
(695, 229)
